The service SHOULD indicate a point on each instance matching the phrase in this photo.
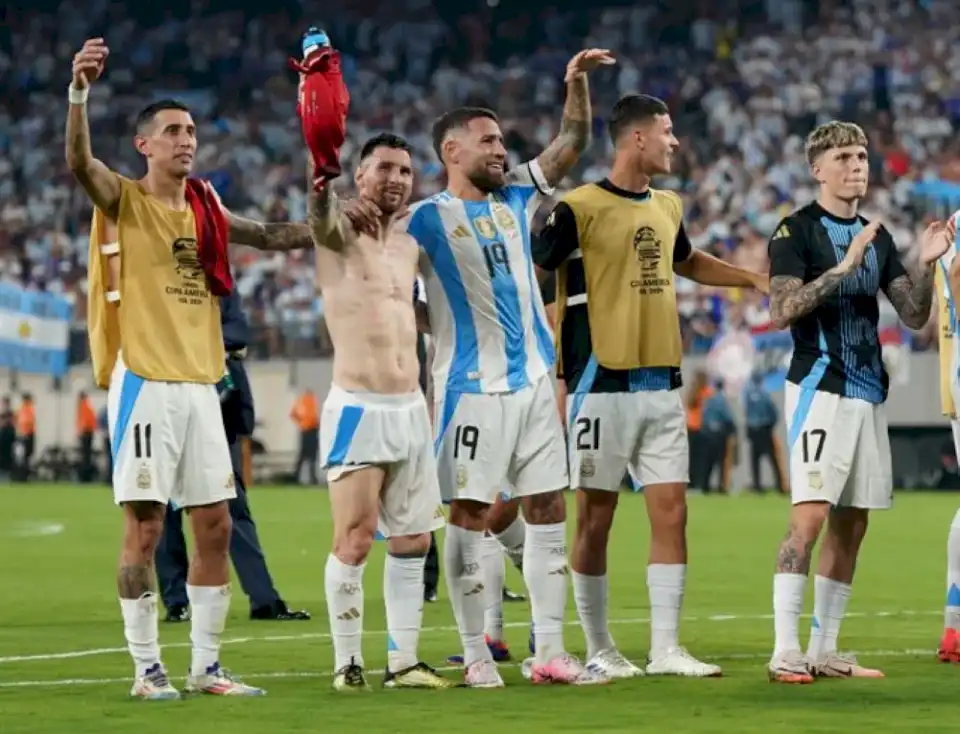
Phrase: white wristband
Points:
(77, 96)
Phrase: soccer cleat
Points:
(680, 662)
(791, 666)
(482, 674)
(498, 651)
(611, 664)
(565, 669)
(949, 650)
(350, 679)
(835, 665)
(154, 685)
(420, 675)
(217, 681)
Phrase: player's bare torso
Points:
(367, 291)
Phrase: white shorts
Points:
(612, 433)
(168, 441)
(362, 429)
(486, 441)
(839, 450)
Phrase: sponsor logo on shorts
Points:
(143, 477)
(587, 467)
(230, 484)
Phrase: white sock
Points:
(512, 539)
(788, 591)
(951, 617)
(141, 627)
(343, 586)
(493, 570)
(545, 571)
(209, 606)
(829, 605)
(590, 594)
(462, 560)
(403, 596)
(665, 583)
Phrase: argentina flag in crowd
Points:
(34, 331)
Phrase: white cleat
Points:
(219, 682)
(482, 674)
(154, 685)
(613, 665)
(679, 662)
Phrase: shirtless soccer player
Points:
(497, 422)
(827, 265)
(617, 246)
(166, 428)
(375, 438)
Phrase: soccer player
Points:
(166, 429)
(617, 246)
(948, 287)
(827, 265)
(375, 437)
(497, 419)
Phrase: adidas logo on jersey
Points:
(782, 233)
(460, 232)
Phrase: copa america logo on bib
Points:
(731, 359)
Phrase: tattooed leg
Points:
(143, 524)
(790, 579)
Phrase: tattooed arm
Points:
(790, 299)
(912, 297)
(561, 155)
(272, 237)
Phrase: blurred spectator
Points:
(745, 80)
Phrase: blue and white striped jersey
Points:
(489, 327)
(946, 260)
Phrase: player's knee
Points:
(143, 527)
(849, 525)
(595, 511)
(212, 526)
(807, 519)
(502, 515)
(353, 543)
(667, 507)
(545, 509)
(469, 515)
(409, 545)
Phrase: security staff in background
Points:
(718, 432)
(236, 400)
(761, 415)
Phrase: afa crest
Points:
(143, 477)
(485, 226)
(504, 219)
(461, 477)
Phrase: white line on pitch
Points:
(426, 630)
(53, 683)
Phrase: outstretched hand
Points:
(588, 60)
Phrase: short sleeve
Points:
(682, 248)
(530, 174)
(787, 250)
(893, 268)
(558, 239)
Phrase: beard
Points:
(391, 203)
(486, 180)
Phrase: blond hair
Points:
(833, 134)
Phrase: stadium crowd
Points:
(745, 79)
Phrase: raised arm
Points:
(561, 155)
(271, 237)
(101, 184)
(912, 295)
